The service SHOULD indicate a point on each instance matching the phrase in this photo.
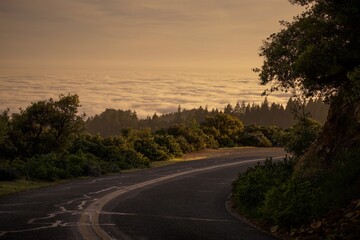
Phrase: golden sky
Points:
(204, 35)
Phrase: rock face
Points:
(341, 133)
(341, 224)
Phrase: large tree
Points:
(318, 53)
(45, 126)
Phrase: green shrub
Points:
(256, 139)
(124, 158)
(8, 172)
(273, 134)
(170, 144)
(184, 144)
(225, 129)
(226, 141)
(89, 144)
(341, 183)
(291, 203)
(301, 136)
(250, 187)
(193, 134)
(134, 159)
(54, 166)
(92, 166)
(150, 149)
(44, 167)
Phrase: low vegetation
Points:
(315, 194)
(276, 196)
(319, 203)
(48, 141)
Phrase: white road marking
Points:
(169, 217)
(89, 219)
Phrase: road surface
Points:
(180, 201)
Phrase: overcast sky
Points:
(138, 34)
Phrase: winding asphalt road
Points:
(180, 201)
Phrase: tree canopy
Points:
(318, 52)
(42, 127)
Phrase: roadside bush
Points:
(76, 165)
(89, 144)
(290, 204)
(150, 149)
(272, 133)
(7, 171)
(184, 144)
(193, 134)
(134, 159)
(341, 183)
(124, 158)
(169, 142)
(43, 167)
(255, 139)
(85, 164)
(226, 141)
(225, 129)
(273, 193)
(92, 166)
(211, 142)
(250, 187)
(301, 136)
(54, 166)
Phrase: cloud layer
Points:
(146, 93)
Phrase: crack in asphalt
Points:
(63, 208)
(89, 226)
(89, 205)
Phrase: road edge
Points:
(89, 226)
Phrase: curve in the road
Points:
(89, 221)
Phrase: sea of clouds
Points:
(144, 92)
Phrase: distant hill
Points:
(111, 122)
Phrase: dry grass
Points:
(203, 154)
(9, 187)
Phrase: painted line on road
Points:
(89, 226)
(167, 217)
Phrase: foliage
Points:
(316, 51)
(225, 129)
(113, 151)
(250, 187)
(272, 133)
(184, 144)
(274, 193)
(341, 183)
(318, 54)
(47, 141)
(299, 137)
(7, 147)
(150, 149)
(44, 126)
(256, 139)
(4, 126)
(171, 145)
(112, 122)
(52, 166)
(290, 204)
(192, 133)
(7, 171)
